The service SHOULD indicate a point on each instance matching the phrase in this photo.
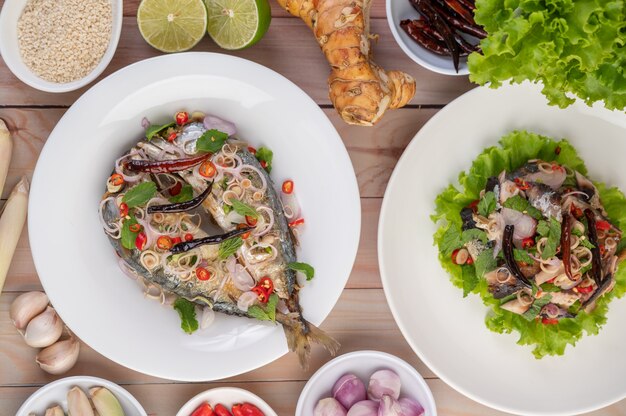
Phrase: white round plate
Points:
(363, 364)
(228, 396)
(56, 393)
(78, 267)
(447, 331)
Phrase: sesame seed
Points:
(64, 40)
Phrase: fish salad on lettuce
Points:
(536, 238)
(192, 213)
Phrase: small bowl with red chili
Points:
(437, 34)
(226, 401)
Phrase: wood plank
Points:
(360, 320)
(166, 400)
(288, 48)
(373, 151)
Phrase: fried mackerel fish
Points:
(157, 211)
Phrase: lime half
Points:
(172, 25)
(237, 24)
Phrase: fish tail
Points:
(301, 334)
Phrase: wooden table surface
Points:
(360, 320)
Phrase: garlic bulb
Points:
(44, 329)
(55, 411)
(26, 306)
(105, 402)
(78, 403)
(59, 357)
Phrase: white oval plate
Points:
(228, 396)
(78, 267)
(56, 393)
(448, 332)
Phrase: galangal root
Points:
(359, 89)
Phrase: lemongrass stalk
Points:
(6, 149)
(11, 225)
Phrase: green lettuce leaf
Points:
(514, 150)
(570, 46)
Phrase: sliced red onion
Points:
(410, 407)
(384, 382)
(239, 275)
(127, 270)
(364, 408)
(329, 407)
(291, 207)
(246, 300)
(389, 407)
(525, 225)
(206, 316)
(553, 179)
(213, 122)
(348, 390)
(119, 170)
(145, 123)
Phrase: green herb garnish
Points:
(128, 237)
(305, 268)
(229, 247)
(487, 204)
(473, 234)
(552, 230)
(140, 194)
(187, 312)
(155, 129)
(265, 155)
(211, 141)
(520, 204)
(535, 308)
(523, 256)
(243, 209)
(185, 194)
(265, 314)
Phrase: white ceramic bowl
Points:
(398, 10)
(9, 48)
(56, 393)
(363, 364)
(227, 396)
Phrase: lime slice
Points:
(172, 25)
(237, 24)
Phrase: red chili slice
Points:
(202, 273)
(251, 221)
(203, 410)
(288, 187)
(123, 210)
(176, 188)
(164, 242)
(267, 284)
(297, 222)
(603, 225)
(261, 294)
(207, 169)
(135, 228)
(116, 179)
(140, 241)
(549, 321)
(221, 410)
(181, 117)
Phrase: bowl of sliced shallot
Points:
(366, 383)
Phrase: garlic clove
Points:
(105, 402)
(26, 306)
(59, 357)
(78, 403)
(55, 411)
(44, 329)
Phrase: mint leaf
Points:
(243, 209)
(128, 237)
(187, 312)
(265, 155)
(211, 141)
(586, 243)
(155, 129)
(535, 308)
(470, 280)
(521, 204)
(485, 263)
(229, 247)
(140, 194)
(185, 194)
(550, 229)
(307, 269)
(268, 313)
(487, 204)
(450, 241)
(473, 234)
(523, 256)
(271, 307)
(257, 312)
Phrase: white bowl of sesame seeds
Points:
(59, 46)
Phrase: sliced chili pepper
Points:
(203, 410)
(263, 164)
(188, 237)
(140, 241)
(135, 228)
(176, 188)
(288, 186)
(261, 294)
(585, 289)
(182, 247)
(596, 254)
(176, 240)
(267, 284)
(116, 179)
(576, 212)
(123, 209)
(521, 184)
(252, 150)
(603, 225)
(566, 247)
(182, 206)
(172, 136)
(473, 205)
(202, 273)
(469, 261)
(207, 169)
(251, 221)
(164, 166)
(221, 410)
(556, 167)
(181, 117)
(509, 258)
(528, 242)
(237, 410)
(551, 280)
(249, 409)
(297, 222)
(164, 242)
(244, 227)
(549, 321)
